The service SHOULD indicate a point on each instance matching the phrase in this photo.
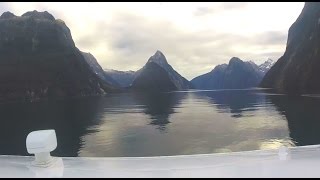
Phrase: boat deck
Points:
(298, 162)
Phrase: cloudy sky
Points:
(195, 37)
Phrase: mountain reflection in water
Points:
(189, 122)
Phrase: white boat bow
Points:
(301, 161)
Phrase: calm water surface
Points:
(191, 122)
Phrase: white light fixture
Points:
(41, 143)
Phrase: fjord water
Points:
(175, 123)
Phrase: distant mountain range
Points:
(155, 75)
(297, 71)
(158, 75)
(97, 69)
(237, 74)
(123, 78)
(38, 59)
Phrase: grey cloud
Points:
(87, 41)
(133, 39)
(271, 37)
(202, 11)
(234, 5)
(273, 55)
(210, 10)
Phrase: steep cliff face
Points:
(297, 71)
(108, 82)
(235, 75)
(156, 79)
(38, 59)
(211, 80)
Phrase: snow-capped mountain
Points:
(264, 67)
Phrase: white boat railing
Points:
(303, 161)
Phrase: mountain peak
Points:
(39, 15)
(159, 59)
(264, 67)
(7, 15)
(234, 60)
(159, 55)
(158, 75)
(41, 42)
(158, 52)
(237, 74)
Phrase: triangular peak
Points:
(159, 58)
(7, 15)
